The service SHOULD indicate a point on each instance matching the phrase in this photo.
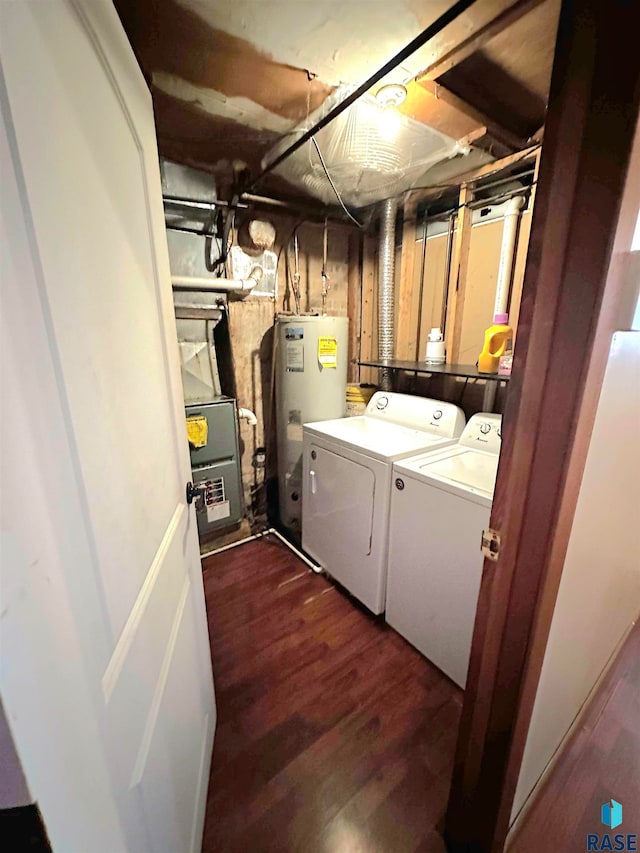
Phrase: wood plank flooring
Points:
(602, 760)
(333, 733)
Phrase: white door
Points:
(105, 668)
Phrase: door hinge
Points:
(490, 545)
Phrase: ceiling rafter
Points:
(506, 138)
(477, 40)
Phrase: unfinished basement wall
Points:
(251, 319)
(482, 278)
(419, 308)
(251, 325)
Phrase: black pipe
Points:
(250, 200)
(447, 273)
(421, 292)
(293, 207)
(420, 40)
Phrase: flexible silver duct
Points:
(386, 280)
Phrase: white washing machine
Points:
(440, 504)
(347, 468)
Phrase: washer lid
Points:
(379, 438)
(471, 469)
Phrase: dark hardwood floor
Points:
(602, 760)
(333, 734)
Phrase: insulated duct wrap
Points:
(386, 281)
(369, 150)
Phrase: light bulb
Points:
(391, 95)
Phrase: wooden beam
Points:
(369, 309)
(408, 292)
(458, 275)
(354, 304)
(474, 175)
(538, 136)
(498, 165)
(511, 141)
(476, 41)
(422, 105)
(557, 373)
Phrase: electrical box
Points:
(215, 464)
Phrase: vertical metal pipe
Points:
(386, 289)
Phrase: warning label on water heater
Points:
(294, 356)
(294, 349)
(328, 352)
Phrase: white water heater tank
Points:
(311, 385)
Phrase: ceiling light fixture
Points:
(391, 95)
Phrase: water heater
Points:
(311, 381)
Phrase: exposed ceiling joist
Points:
(405, 52)
(472, 176)
(227, 85)
(506, 139)
(477, 40)
(424, 107)
(498, 165)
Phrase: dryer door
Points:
(338, 507)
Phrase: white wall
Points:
(599, 594)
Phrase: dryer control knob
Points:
(437, 414)
(485, 428)
(382, 403)
(399, 484)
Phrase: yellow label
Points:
(328, 352)
(197, 430)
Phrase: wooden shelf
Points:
(467, 371)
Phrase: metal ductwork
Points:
(386, 286)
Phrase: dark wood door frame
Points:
(570, 305)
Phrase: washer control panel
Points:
(419, 413)
(382, 402)
(483, 432)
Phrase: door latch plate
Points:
(490, 545)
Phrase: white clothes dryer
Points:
(347, 468)
(440, 504)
